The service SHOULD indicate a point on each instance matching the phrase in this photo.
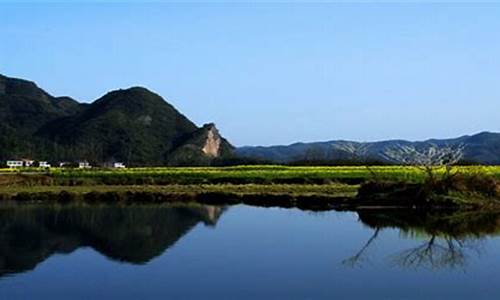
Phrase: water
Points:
(241, 252)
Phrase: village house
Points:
(114, 165)
(119, 165)
(44, 164)
(15, 164)
(26, 163)
(84, 165)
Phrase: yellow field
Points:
(250, 174)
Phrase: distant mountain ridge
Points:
(481, 148)
(133, 125)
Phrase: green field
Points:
(332, 185)
(247, 175)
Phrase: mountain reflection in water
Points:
(135, 234)
(445, 238)
(29, 234)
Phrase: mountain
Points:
(481, 148)
(133, 125)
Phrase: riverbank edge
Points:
(309, 197)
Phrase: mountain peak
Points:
(133, 89)
(209, 126)
(133, 100)
(20, 87)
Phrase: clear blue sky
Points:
(274, 74)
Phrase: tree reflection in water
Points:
(358, 258)
(438, 253)
(448, 237)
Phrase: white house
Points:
(119, 165)
(28, 163)
(114, 165)
(44, 164)
(84, 165)
(20, 163)
(15, 164)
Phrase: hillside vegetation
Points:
(134, 126)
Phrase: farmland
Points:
(266, 185)
(240, 175)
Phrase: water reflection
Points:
(445, 239)
(29, 234)
(136, 234)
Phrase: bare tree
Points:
(430, 156)
(429, 159)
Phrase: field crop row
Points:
(254, 174)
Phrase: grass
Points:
(332, 190)
(245, 175)
(393, 184)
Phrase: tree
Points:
(429, 159)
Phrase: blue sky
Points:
(274, 73)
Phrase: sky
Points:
(277, 73)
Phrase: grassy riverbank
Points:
(313, 197)
(328, 187)
(331, 190)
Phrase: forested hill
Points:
(481, 148)
(134, 125)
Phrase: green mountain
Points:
(135, 126)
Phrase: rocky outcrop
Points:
(213, 142)
(200, 148)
